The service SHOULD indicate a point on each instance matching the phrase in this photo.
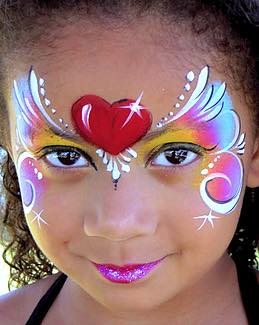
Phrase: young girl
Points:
(132, 169)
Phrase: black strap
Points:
(46, 301)
(247, 282)
(249, 290)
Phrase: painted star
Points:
(206, 218)
(134, 108)
(39, 218)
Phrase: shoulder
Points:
(23, 300)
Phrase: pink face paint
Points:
(113, 128)
(34, 111)
(210, 113)
(32, 184)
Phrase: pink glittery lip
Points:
(127, 273)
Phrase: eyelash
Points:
(65, 149)
(194, 148)
(190, 147)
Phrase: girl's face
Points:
(159, 174)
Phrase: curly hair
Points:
(232, 27)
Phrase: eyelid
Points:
(63, 148)
(175, 146)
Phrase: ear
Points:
(253, 173)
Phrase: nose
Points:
(123, 214)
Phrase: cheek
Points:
(32, 182)
(52, 209)
(65, 207)
(222, 182)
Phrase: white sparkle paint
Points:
(47, 102)
(207, 218)
(132, 152)
(40, 176)
(42, 91)
(227, 207)
(39, 218)
(35, 94)
(190, 76)
(42, 82)
(134, 108)
(187, 87)
(117, 164)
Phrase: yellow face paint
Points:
(169, 136)
(45, 139)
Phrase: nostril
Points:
(119, 228)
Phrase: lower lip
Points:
(128, 273)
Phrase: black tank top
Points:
(247, 282)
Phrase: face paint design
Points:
(113, 128)
(32, 114)
(32, 185)
(209, 112)
(34, 110)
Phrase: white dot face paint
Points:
(113, 128)
(208, 109)
(32, 186)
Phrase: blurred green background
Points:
(4, 273)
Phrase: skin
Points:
(88, 220)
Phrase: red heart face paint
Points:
(209, 113)
(112, 127)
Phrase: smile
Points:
(127, 273)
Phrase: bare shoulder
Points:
(16, 306)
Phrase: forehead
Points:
(120, 63)
(113, 63)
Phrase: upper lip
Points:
(130, 263)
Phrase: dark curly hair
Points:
(232, 27)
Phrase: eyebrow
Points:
(66, 135)
(77, 137)
(156, 133)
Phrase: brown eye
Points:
(68, 158)
(174, 157)
(65, 159)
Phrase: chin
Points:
(130, 301)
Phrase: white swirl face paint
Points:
(210, 112)
(32, 185)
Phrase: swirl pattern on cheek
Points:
(221, 189)
(210, 112)
(32, 184)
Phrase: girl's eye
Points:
(174, 157)
(67, 159)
